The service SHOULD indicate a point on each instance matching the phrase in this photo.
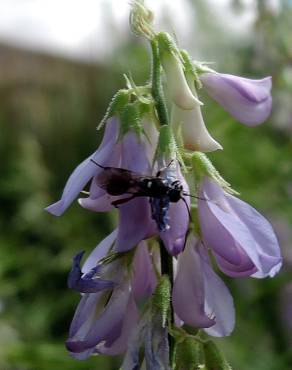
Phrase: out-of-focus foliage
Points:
(49, 109)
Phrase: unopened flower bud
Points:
(191, 126)
(177, 85)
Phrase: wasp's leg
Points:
(118, 202)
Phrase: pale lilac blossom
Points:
(174, 238)
(105, 155)
(153, 338)
(248, 100)
(200, 298)
(241, 239)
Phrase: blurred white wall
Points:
(88, 29)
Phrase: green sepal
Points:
(161, 298)
(214, 359)
(190, 68)
(202, 166)
(131, 119)
(166, 146)
(189, 354)
(167, 45)
(116, 106)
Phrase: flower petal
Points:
(105, 327)
(156, 345)
(120, 345)
(177, 85)
(134, 154)
(266, 243)
(144, 279)
(218, 300)
(193, 130)
(191, 126)
(245, 268)
(174, 238)
(247, 100)
(132, 359)
(135, 224)
(99, 252)
(84, 314)
(86, 170)
(99, 204)
(214, 234)
(88, 283)
(188, 294)
(236, 231)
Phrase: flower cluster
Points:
(153, 275)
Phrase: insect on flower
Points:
(161, 190)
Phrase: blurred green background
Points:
(49, 108)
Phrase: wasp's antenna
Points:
(193, 196)
(189, 212)
(99, 165)
(164, 168)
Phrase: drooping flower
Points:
(89, 282)
(107, 154)
(241, 239)
(134, 156)
(200, 298)
(248, 100)
(135, 223)
(177, 85)
(97, 324)
(144, 278)
(177, 215)
(190, 125)
(151, 336)
(104, 320)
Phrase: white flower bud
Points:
(191, 126)
(177, 85)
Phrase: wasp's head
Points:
(175, 191)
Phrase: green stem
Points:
(167, 269)
(157, 90)
(162, 114)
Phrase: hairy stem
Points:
(162, 114)
(157, 90)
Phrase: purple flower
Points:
(104, 321)
(199, 297)
(144, 278)
(106, 154)
(241, 239)
(134, 156)
(174, 237)
(249, 101)
(151, 335)
(95, 324)
(89, 282)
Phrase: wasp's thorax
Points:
(158, 187)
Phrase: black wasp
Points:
(161, 190)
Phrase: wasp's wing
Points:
(118, 181)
